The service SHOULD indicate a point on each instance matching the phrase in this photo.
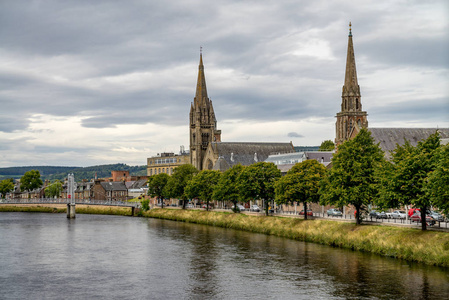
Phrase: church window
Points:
(356, 103)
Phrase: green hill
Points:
(57, 172)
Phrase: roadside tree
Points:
(406, 180)
(352, 179)
(156, 186)
(202, 186)
(257, 181)
(175, 187)
(6, 186)
(30, 180)
(54, 189)
(438, 188)
(227, 188)
(301, 184)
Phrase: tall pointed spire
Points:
(351, 84)
(201, 90)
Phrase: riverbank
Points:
(62, 208)
(428, 247)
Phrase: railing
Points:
(65, 201)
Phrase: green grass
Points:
(428, 247)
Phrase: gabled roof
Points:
(389, 137)
(114, 186)
(247, 153)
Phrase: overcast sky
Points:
(94, 82)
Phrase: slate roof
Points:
(138, 184)
(389, 137)
(114, 186)
(231, 154)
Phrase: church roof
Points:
(389, 137)
(246, 153)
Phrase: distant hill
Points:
(56, 172)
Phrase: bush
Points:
(145, 204)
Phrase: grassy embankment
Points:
(429, 247)
(80, 209)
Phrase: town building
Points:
(166, 162)
(284, 162)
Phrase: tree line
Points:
(360, 176)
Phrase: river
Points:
(47, 256)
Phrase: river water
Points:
(47, 256)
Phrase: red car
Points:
(309, 212)
(416, 217)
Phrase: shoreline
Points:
(427, 247)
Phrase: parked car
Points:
(334, 212)
(398, 214)
(239, 206)
(436, 216)
(255, 208)
(416, 217)
(309, 212)
(378, 215)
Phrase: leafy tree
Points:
(406, 180)
(6, 186)
(227, 188)
(30, 180)
(301, 184)
(175, 187)
(257, 181)
(438, 188)
(156, 186)
(54, 189)
(327, 145)
(145, 204)
(202, 185)
(352, 179)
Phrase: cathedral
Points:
(207, 151)
(351, 118)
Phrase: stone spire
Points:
(351, 118)
(201, 90)
(351, 86)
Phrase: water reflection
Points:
(48, 256)
(268, 266)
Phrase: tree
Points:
(257, 181)
(227, 188)
(327, 145)
(352, 179)
(6, 186)
(175, 187)
(438, 188)
(54, 189)
(406, 180)
(156, 186)
(30, 180)
(202, 185)
(301, 184)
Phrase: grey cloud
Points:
(294, 134)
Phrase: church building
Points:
(207, 151)
(351, 119)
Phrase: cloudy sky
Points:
(95, 82)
